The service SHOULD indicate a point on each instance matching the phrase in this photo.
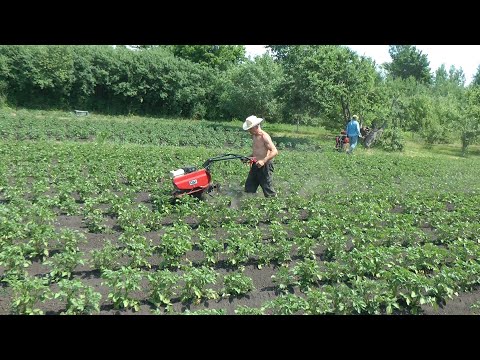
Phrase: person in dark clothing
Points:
(264, 150)
(364, 131)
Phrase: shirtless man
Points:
(261, 173)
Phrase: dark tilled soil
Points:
(459, 305)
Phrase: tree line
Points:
(303, 84)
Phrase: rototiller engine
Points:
(190, 181)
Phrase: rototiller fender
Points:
(190, 181)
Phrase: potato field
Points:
(87, 225)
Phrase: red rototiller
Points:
(190, 181)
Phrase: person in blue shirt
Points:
(353, 132)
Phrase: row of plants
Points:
(66, 126)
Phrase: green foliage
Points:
(251, 88)
(284, 279)
(40, 238)
(411, 106)
(456, 76)
(216, 56)
(12, 257)
(469, 123)
(122, 283)
(288, 304)
(453, 79)
(106, 258)
(240, 248)
(163, 284)
(237, 283)
(316, 77)
(175, 243)
(407, 62)
(196, 280)
(106, 79)
(137, 248)
(476, 78)
(308, 273)
(319, 303)
(245, 310)
(392, 140)
(211, 247)
(3, 93)
(81, 299)
(206, 312)
(27, 293)
(476, 307)
(306, 247)
(43, 75)
(94, 221)
(279, 52)
(64, 263)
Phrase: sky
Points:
(465, 56)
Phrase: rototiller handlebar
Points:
(225, 157)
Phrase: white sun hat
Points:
(251, 121)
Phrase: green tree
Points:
(280, 52)
(456, 76)
(448, 93)
(148, 47)
(216, 56)
(441, 76)
(469, 122)
(316, 79)
(408, 61)
(4, 71)
(83, 85)
(250, 88)
(40, 75)
(476, 77)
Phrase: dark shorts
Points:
(261, 176)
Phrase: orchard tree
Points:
(316, 79)
(469, 122)
(251, 87)
(408, 61)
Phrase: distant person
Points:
(353, 132)
(264, 150)
(364, 131)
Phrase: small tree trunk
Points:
(346, 109)
(373, 136)
(464, 143)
